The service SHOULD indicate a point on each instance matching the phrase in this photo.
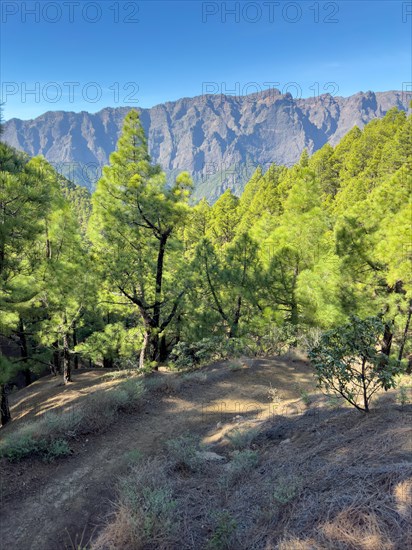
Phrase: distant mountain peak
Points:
(220, 139)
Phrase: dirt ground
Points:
(55, 506)
(49, 506)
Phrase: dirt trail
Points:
(51, 505)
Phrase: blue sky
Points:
(78, 55)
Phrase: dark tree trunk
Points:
(153, 348)
(235, 325)
(405, 333)
(387, 340)
(27, 377)
(409, 367)
(153, 344)
(163, 352)
(24, 351)
(5, 415)
(76, 357)
(67, 374)
(56, 359)
(365, 392)
(150, 348)
(159, 280)
(107, 362)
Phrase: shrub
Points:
(146, 515)
(19, 445)
(348, 360)
(32, 440)
(183, 453)
(286, 490)
(135, 390)
(133, 457)
(57, 448)
(48, 437)
(67, 423)
(190, 355)
(121, 373)
(403, 396)
(240, 439)
(224, 531)
(242, 463)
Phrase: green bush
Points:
(133, 457)
(191, 355)
(48, 436)
(183, 453)
(242, 463)
(32, 440)
(348, 360)
(16, 447)
(241, 439)
(147, 497)
(286, 490)
(56, 448)
(404, 395)
(135, 390)
(223, 533)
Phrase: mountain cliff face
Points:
(219, 139)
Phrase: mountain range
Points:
(219, 139)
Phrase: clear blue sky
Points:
(151, 52)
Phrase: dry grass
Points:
(146, 515)
(49, 435)
(311, 478)
(341, 480)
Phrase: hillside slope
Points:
(319, 475)
(219, 139)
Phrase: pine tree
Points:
(134, 221)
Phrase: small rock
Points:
(219, 425)
(284, 441)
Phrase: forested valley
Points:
(138, 276)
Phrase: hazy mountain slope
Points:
(219, 139)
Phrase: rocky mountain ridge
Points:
(219, 139)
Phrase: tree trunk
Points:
(152, 345)
(56, 359)
(107, 362)
(153, 348)
(5, 415)
(163, 349)
(294, 315)
(159, 279)
(144, 348)
(235, 324)
(405, 332)
(24, 351)
(76, 357)
(409, 367)
(387, 340)
(365, 393)
(67, 374)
